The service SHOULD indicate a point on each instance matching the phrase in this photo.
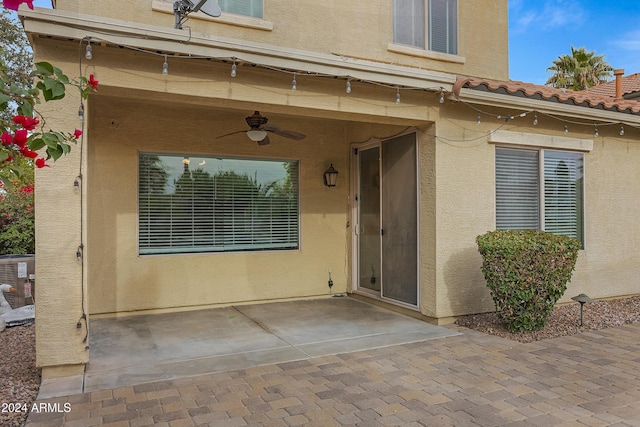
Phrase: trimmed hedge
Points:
(527, 271)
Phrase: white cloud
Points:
(550, 15)
(629, 41)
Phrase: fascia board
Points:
(77, 26)
(548, 107)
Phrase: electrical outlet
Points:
(330, 283)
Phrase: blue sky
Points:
(542, 30)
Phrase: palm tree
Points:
(580, 70)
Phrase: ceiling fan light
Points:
(256, 134)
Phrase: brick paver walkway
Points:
(590, 379)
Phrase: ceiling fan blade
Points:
(232, 133)
(284, 133)
(264, 141)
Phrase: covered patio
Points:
(131, 350)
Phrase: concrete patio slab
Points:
(132, 350)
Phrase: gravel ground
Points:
(19, 377)
(564, 319)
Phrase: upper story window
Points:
(426, 24)
(252, 8)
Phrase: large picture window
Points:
(426, 24)
(540, 190)
(216, 204)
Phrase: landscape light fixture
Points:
(182, 9)
(330, 176)
(582, 299)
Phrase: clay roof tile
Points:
(630, 84)
(530, 90)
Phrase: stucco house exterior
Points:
(176, 208)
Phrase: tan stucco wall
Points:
(361, 29)
(465, 207)
(123, 281)
(58, 236)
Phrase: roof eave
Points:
(76, 26)
(546, 106)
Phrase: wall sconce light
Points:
(330, 176)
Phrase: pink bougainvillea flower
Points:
(30, 123)
(92, 81)
(77, 133)
(20, 138)
(15, 4)
(27, 152)
(7, 139)
(9, 159)
(40, 163)
(27, 123)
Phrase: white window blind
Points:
(209, 204)
(426, 24)
(253, 8)
(443, 28)
(518, 191)
(409, 22)
(563, 193)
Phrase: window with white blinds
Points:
(563, 202)
(540, 190)
(426, 24)
(216, 204)
(252, 8)
(517, 189)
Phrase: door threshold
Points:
(406, 310)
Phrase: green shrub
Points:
(17, 230)
(527, 272)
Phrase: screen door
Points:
(387, 215)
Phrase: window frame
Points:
(222, 4)
(427, 24)
(144, 244)
(543, 201)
